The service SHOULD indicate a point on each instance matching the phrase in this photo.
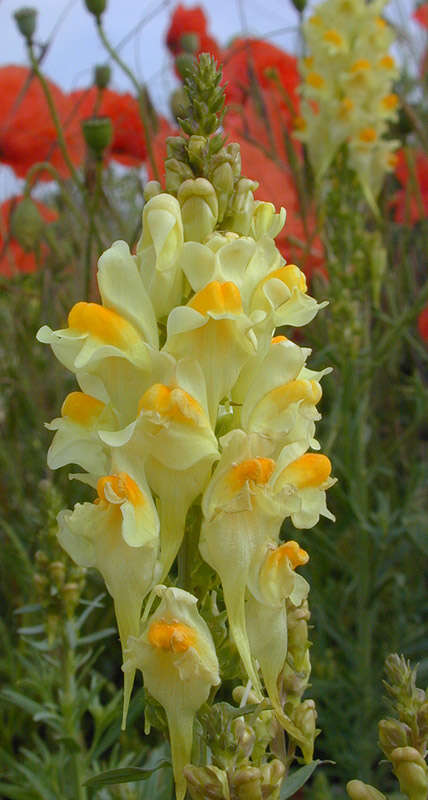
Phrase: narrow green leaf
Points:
(95, 637)
(10, 792)
(31, 630)
(29, 609)
(22, 701)
(123, 775)
(298, 778)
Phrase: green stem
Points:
(69, 706)
(45, 166)
(55, 119)
(93, 206)
(142, 102)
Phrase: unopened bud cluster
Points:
(403, 738)
(347, 90)
(187, 399)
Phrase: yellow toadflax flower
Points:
(347, 93)
(119, 535)
(177, 657)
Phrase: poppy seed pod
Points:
(96, 7)
(26, 19)
(26, 224)
(98, 133)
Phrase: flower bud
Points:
(222, 180)
(244, 736)
(189, 42)
(199, 208)
(411, 771)
(184, 63)
(392, 734)
(176, 148)
(272, 775)
(41, 584)
(238, 693)
(266, 222)
(176, 172)
(26, 224)
(151, 189)
(207, 783)
(71, 596)
(246, 784)
(96, 7)
(197, 152)
(57, 573)
(102, 75)
(242, 206)
(98, 133)
(179, 103)
(357, 790)
(25, 19)
(41, 558)
(298, 642)
(233, 150)
(304, 718)
(422, 720)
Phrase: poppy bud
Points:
(189, 42)
(96, 7)
(26, 224)
(25, 19)
(98, 133)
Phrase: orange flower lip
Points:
(256, 470)
(333, 37)
(280, 338)
(102, 323)
(308, 471)
(315, 80)
(219, 298)
(361, 65)
(81, 407)
(291, 550)
(171, 402)
(292, 276)
(123, 486)
(367, 135)
(296, 391)
(175, 637)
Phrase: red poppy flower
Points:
(27, 133)
(264, 120)
(421, 15)
(249, 59)
(423, 324)
(411, 202)
(129, 141)
(190, 20)
(13, 259)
